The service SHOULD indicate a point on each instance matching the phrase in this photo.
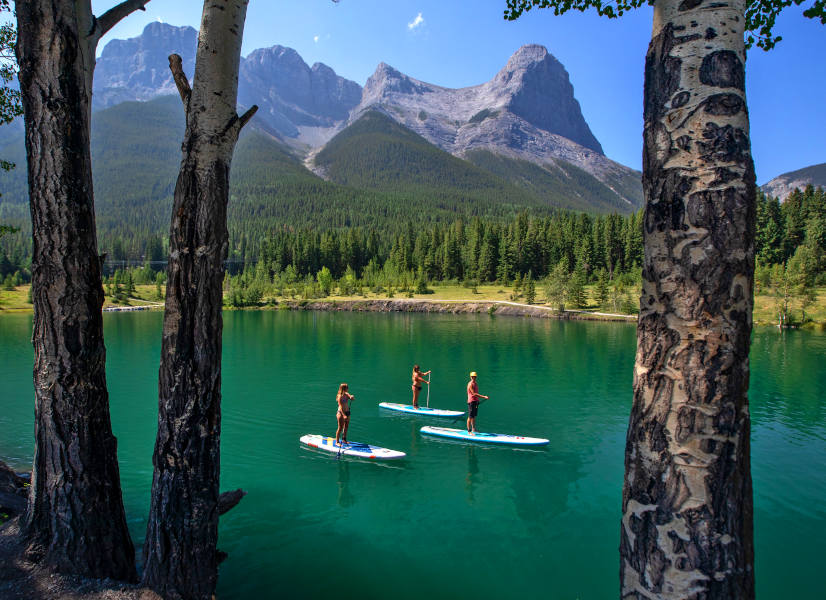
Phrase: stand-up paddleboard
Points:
(422, 410)
(489, 438)
(356, 449)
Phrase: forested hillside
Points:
(395, 205)
(136, 154)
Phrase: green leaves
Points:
(761, 15)
(611, 9)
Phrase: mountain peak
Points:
(383, 73)
(276, 52)
(541, 92)
(387, 81)
(533, 86)
(528, 54)
(138, 68)
(159, 29)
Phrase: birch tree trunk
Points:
(75, 520)
(180, 551)
(687, 500)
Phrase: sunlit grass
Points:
(765, 307)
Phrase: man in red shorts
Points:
(473, 396)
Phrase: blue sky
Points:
(456, 43)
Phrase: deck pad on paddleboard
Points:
(355, 449)
(422, 410)
(489, 438)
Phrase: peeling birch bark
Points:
(687, 500)
(75, 521)
(180, 554)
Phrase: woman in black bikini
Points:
(418, 378)
(343, 399)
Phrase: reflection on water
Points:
(411, 527)
(472, 472)
(345, 498)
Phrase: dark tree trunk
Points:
(687, 500)
(75, 519)
(181, 558)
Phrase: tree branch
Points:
(228, 500)
(247, 116)
(112, 16)
(177, 67)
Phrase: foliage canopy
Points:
(761, 15)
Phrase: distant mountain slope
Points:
(376, 152)
(563, 184)
(302, 105)
(136, 155)
(782, 185)
(526, 112)
(138, 68)
(532, 86)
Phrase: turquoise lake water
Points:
(453, 519)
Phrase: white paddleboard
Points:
(489, 438)
(422, 410)
(356, 449)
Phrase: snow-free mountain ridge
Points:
(526, 112)
(783, 185)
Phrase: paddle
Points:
(428, 389)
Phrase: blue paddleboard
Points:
(355, 449)
(488, 438)
(422, 410)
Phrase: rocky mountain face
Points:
(532, 92)
(303, 105)
(783, 185)
(138, 68)
(526, 112)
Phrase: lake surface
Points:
(452, 519)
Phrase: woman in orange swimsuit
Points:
(418, 378)
(343, 399)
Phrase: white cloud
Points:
(315, 39)
(159, 20)
(415, 22)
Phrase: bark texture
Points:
(181, 559)
(75, 519)
(687, 500)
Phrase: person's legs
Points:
(340, 420)
(346, 427)
(472, 410)
(416, 391)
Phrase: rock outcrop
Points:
(783, 185)
(531, 94)
(138, 68)
(302, 103)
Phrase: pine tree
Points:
(530, 289)
(601, 287)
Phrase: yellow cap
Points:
(473, 373)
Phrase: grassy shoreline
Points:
(16, 301)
